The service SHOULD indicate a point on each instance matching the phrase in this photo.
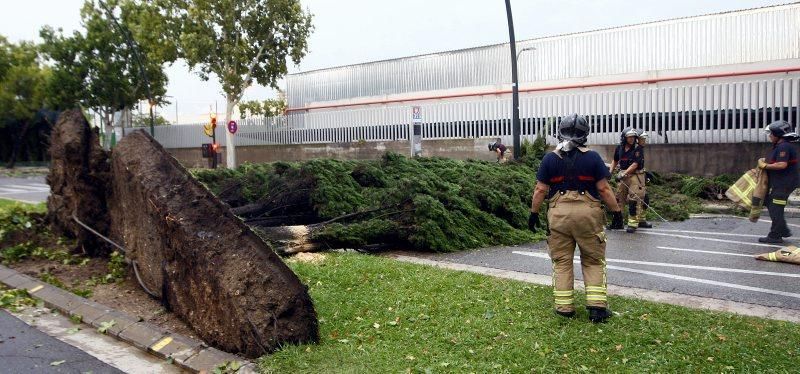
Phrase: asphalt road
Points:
(24, 349)
(707, 257)
(26, 189)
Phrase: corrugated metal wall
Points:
(712, 111)
(765, 34)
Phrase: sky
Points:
(355, 31)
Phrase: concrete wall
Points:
(698, 159)
(694, 159)
(458, 149)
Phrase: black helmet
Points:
(574, 128)
(626, 132)
(781, 129)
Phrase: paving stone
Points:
(6, 272)
(90, 311)
(210, 358)
(179, 347)
(54, 298)
(19, 281)
(248, 369)
(142, 334)
(121, 322)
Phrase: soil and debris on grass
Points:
(27, 246)
(378, 315)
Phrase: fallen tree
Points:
(187, 248)
(429, 204)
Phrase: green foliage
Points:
(116, 268)
(532, 153)
(265, 108)
(143, 120)
(15, 300)
(96, 67)
(424, 203)
(377, 315)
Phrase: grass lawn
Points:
(6, 203)
(383, 316)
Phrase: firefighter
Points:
(642, 213)
(574, 180)
(630, 159)
(782, 177)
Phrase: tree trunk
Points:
(230, 149)
(20, 136)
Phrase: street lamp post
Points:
(515, 130)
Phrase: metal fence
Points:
(741, 37)
(701, 112)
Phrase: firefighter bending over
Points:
(574, 179)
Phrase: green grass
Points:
(381, 316)
(5, 204)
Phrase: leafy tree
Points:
(143, 120)
(22, 90)
(240, 42)
(97, 67)
(266, 108)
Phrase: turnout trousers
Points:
(630, 193)
(577, 219)
(776, 203)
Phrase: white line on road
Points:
(704, 232)
(710, 239)
(5, 191)
(702, 251)
(683, 278)
(681, 266)
(37, 187)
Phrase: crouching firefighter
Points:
(574, 180)
(630, 159)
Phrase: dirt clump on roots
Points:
(203, 262)
(79, 181)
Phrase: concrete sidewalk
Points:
(188, 354)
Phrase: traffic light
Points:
(213, 121)
(215, 148)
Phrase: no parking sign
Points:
(232, 127)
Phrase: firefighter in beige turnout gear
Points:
(630, 159)
(574, 179)
(642, 211)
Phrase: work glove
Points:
(762, 163)
(620, 176)
(616, 221)
(533, 221)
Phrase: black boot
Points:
(598, 314)
(630, 229)
(770, 240)
(786, 233)
(616, 221)
(569, 314)
(645, 225)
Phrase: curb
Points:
(189, 354)
(689, 301)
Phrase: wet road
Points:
(24, 349)
(707, 257)
(25, 189)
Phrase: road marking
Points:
(37, 288)
(161, 344)
(702, 251)
(705, 232)
(33, 187)
(681, 266)
(683, 278)
(710, 239)
(5, 191)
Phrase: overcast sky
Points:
(355, 31)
